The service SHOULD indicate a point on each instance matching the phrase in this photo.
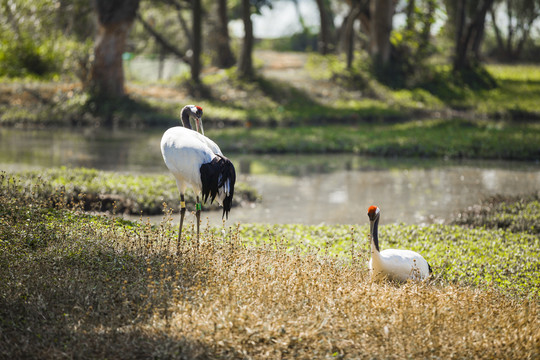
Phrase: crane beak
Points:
(198, 123)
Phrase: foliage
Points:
(25, 58)
(98, 287)
(43, 38)
(411, 45)
(105, 191)
(519, 19)
(325, 94)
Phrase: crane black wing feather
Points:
(214, 175)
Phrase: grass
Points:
(324, 93)
(450, 138)
(75, 285)
(518, 214)
(475, 256)
(120, 193)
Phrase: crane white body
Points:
(394, 264)
(197, 162)
(399, 265)
(184, 151)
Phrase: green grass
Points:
(488, 258)
(76, 285)
(120, 193)
(352, 96)
(516, 213)
(451, 138)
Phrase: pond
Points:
(307, 189)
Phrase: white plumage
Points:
(196, 162)
(398, 265)
(184, 151)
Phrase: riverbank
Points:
(291, 90)
(115, 193)
(98, 286)
(309, 110)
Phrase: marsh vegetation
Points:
(80, 285)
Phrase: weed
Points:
(105, 191)
(75, 285)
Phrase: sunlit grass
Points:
(75, 285)
(122, 193)
(452, 138)
(515, 72)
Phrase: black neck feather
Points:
(185, 117)
(375, 233)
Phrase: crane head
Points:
(373, 212)
(198, 118)
(192, 112)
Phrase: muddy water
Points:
(314, 189)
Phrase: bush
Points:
(24, 57)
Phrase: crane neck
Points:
(185, 117)
(374, 231)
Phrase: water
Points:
(309, 189)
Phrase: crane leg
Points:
(182, 213)
(198, 215)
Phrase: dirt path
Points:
(290, 68)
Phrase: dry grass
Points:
(79, 286)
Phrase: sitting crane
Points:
(397, 265)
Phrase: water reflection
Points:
(416, 195)
(296, 188)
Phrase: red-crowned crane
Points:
(397, 265)
(197, 162)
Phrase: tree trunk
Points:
(197, 41)
(348, 34)
(225, 57)
(245, 67)
(326, 34)
(381, 12)
(114, 21)
(478, 35)
(461, 46)
(500, 45)
(469, 34)
(411, 18)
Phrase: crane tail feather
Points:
(215, 175)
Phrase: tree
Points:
(358, 10)
(411, 43)
(245, 65)
(468, 20)
(382, 12)
(197, 41)
(43, 36)
(245, 62)
(420, 18)
(225, 57)
(520, 16)
(114, 20)
(328, 29)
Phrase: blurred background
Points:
(423, 107)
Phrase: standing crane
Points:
(398, 265)
(196, 162)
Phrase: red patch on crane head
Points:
(373, 210)
(199, 108)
